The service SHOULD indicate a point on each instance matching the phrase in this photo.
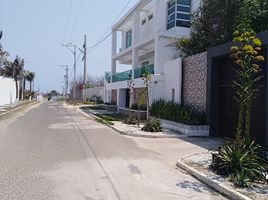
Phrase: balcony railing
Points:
(139, 71)
(108, 77)
(124, 76)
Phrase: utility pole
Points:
(84, 51)
(66, 77)
(72, 48)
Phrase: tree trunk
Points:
(17, 92)
(30, 86)
(24, 85)
(148, 101)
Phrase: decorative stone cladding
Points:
(139, 93)
(195, 81)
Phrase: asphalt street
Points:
(50, 151)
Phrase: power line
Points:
(124, 8)
(68, 19)
(76, 18)
(137, 21)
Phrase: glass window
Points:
(184, 2)
(181, 23)
(183, 16)
(179, 13)
(171, 3)
(171, 25)
(143, 22)
(151, 16)
(171, 10)
(128, 38)
(184, 9)
(145, 63)
(171, 17)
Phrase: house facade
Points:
(145, 38)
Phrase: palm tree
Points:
(30, 77)
(13, 70)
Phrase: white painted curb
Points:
(232, 194)
(119, 131)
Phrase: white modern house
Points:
(148, 34)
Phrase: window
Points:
(143, 22)
(179, 13)
(171, 14)
(145, 63)
(128, 38)
(151, 16)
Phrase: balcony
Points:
(126, 75)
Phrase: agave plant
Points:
(243, 159)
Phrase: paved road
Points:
(52, 152)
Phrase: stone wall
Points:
(195, 81)
(138, 94)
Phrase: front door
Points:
(127, 98)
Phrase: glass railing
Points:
(124, 76)
(138, 72)
(108, 77)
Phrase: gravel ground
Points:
(201, 162)
(134, 130)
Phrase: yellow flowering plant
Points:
(247, 55)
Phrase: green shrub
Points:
(131, 120)
(241, 179)
(136, 106)
(243, 162)
(110, 104)
(96, 99)
(152, 125)
(175, 112)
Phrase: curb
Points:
(19, 107)
(121, 132)
(230, 193)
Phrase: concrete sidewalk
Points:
(7, 109)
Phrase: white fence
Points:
(96, 91)
(7, 91)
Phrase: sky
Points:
(36, 29)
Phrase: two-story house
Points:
(148, 34)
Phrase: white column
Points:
(161, 11)
(118, 97)
(123, 40)
(114, 49)
(135, 58)
(158, 56)
(136, 28)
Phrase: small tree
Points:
(146, 77)
(130, 85)
(256, 12)
(212, 24)
(247, 55)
